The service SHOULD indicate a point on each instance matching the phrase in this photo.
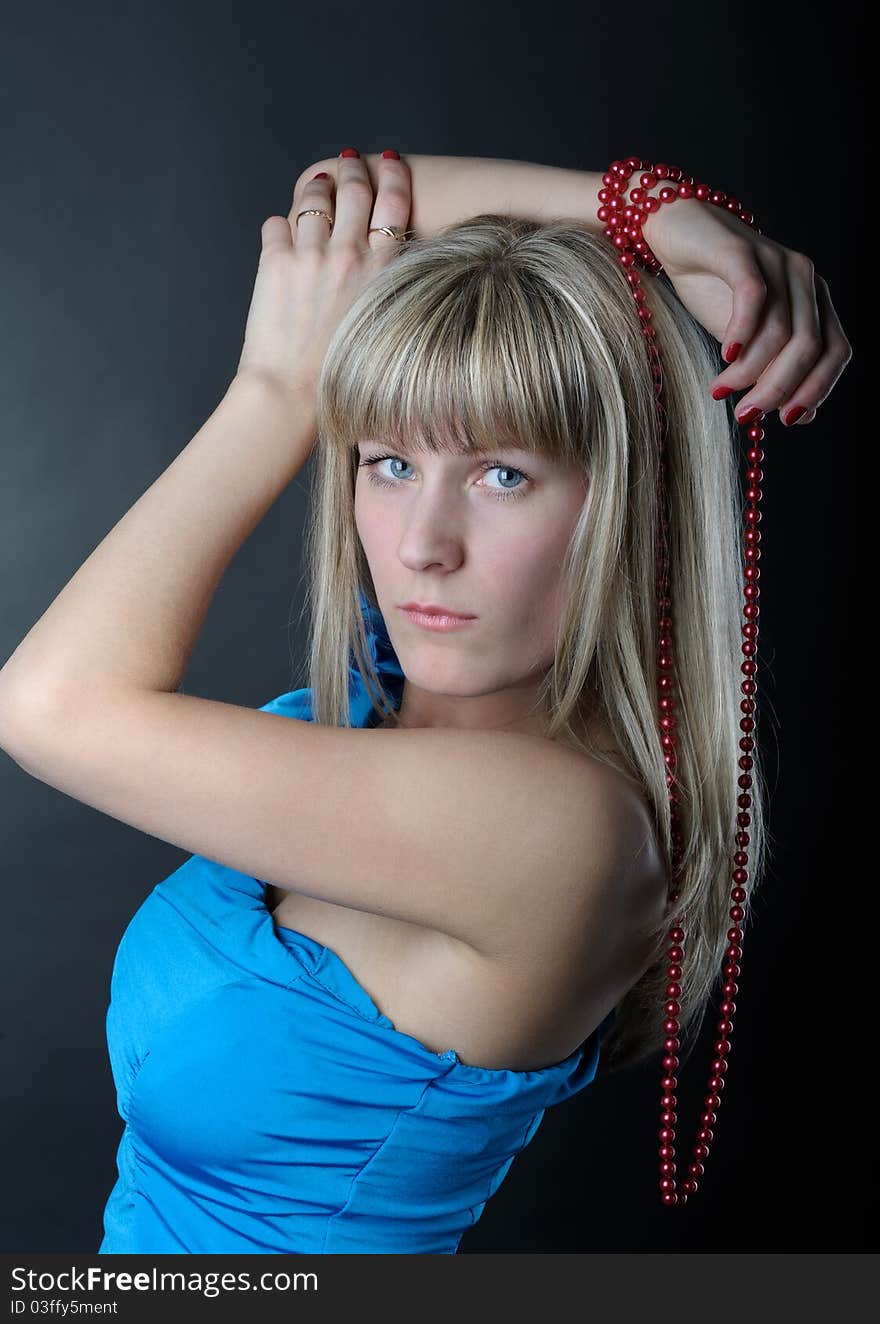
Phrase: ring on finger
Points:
(315, 211)
(387, 229)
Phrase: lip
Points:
(431, 609)
(436, 618)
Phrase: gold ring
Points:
(314, 211)
(386, 229)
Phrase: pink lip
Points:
(435, 621)
(431, 609)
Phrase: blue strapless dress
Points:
(268, 1105)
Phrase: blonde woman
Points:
(428, 892)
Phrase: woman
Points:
(336, 1025)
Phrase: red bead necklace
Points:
(623, 225)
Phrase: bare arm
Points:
(446, 189)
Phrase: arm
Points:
(446, 189)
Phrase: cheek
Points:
(374, 532)
(524, 579)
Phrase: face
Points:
(483, 535)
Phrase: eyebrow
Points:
(455, 455)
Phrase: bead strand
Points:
(623, 221)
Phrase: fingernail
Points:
(794, 414)
(390, 152)
(732, 351)
(349, 151)
(721, 392)
(748, 415)
(321, 175)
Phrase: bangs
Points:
(457, 360)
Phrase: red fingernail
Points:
(322, 175)
(793, 415)
(749, 415)
(721, 392)
(390, 152)
(732, 351)
(349, 151)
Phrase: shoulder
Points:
(601, 866)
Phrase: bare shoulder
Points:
(490, 837)
(578, 935)
(611, 876)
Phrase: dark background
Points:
(142, 148)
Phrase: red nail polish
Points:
(349, 151)
(732, 351)
(721, 392)
(749, 415)
(793, 415)
(390, 153)
(321, 175)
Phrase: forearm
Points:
(131, 615)
(447, 189)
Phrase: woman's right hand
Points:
(745, 288)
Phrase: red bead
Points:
(624, 210)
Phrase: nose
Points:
(432, 532)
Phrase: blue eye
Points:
(506, 495)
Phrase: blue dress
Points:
(268, 1105)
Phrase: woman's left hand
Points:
(745, 288)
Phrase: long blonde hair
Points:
(501, 330)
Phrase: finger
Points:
(354, 203)
(818, 384)
(749, 289)
(393, 203)
(773, 332)
(316, 196)
(275, 234)
(804, 348)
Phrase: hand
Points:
(308, 277)
(742, 286)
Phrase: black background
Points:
(142, 148)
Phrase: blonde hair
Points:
(501, 330)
